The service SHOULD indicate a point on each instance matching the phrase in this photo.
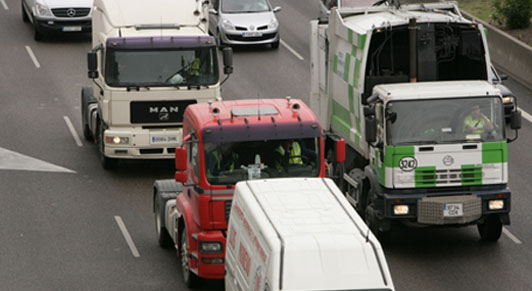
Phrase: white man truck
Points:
(150, 59)
(429, 152)
(300, 234)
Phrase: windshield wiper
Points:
(416, 142)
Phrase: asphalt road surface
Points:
(64, 220)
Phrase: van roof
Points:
(321, 234)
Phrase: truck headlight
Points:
(496, 204)
(507, 99)
(401, 209)
(116, 140)
(42, 10)
(210, 247)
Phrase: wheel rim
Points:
(184, 257)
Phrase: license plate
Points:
(453, 209)
(163, 139)
(251, 34)
(71, 28)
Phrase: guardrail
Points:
(507, 53)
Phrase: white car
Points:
(242, 22)
(57, 16)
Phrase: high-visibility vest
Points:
(295, 155)
(473, 122)
(195, 67)
(218, 156)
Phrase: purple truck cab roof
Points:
(158, 42)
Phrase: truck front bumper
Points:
(448, 208)
(142, 143)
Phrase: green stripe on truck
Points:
(425, 176)
(494, 152)
(341, 119)
(471, 175)
(346, 67)
(393, 154)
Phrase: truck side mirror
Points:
(181, 164)
(228, 60)
(515, 119)
(371, 129)
(340, 150)
(180, 158)
(92, 63)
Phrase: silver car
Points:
(48, 16)
(242, 22)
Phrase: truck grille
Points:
(158, 111)
(227, 205)
(71, 12)
(430, 209)
(430, 177)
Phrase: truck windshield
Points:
(442, 121)
(157, 68)
(229, 162)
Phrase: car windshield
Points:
(229, 162)
(179, 67)
(245, 6)
(440, 121)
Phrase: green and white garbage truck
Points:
(407, 88)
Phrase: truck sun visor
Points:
(166, 42)
(263, 131)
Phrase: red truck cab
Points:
(250, 133)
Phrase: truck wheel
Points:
(189, 277)
(490, 230)
(86, 98)
(25, 17)
(361, 192)
(373, 223)
(107, 163)
(164, 239)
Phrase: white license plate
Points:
(163, 139)
(453, 209)
(71, 28)
(251, 34)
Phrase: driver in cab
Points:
(477, 122)
(222, 160)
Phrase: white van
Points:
(300, 234)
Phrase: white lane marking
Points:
(32, 56)
(293, 51)
(10, 160)
(4, 4)
(73, 131)
(127, 237)
(526, 115)
(511, 236)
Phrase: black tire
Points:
(107, 163)
(275, 45)
(38, 35)
(86, 98)
(164, 239)
(25, 17)
(373, 223)
(490, 230)
(361, 192)
(189, 278)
